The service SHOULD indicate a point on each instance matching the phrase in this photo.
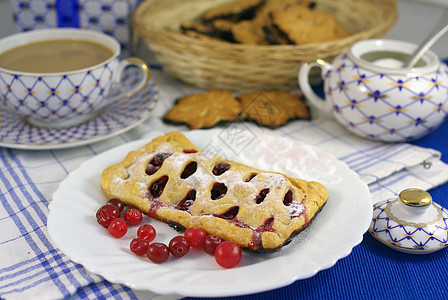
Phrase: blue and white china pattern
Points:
(108, 16)
(405, 109)
(114, 119)
(407, 231)
(376, 98)
(68, 96)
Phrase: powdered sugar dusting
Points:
(295, 209)
(202, 181)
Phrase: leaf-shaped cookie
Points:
(204, 110)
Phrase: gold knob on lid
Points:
(415, 197)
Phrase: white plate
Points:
(116, 118)
(332, 235)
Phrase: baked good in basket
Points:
(248, 66)
(298, 25)
(257, 22)
(172, 180)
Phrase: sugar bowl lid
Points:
(413, 223)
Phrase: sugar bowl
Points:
(412, 223)
(369, 92)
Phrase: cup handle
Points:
(303, 80)
(125, 63)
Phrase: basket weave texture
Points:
(214, 64)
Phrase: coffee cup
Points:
(369, 92)
(62, 77)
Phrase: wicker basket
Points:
(214, 64)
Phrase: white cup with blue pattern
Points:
(68, 98)
(369, 92)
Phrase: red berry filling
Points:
(187, 201)
(220, 168)
(229, 214)
(156, 162)
(287, 200)
(189, 170)
(266, 226)
(261, 196)
(157, 187)
(218, 191)
(250, 177)
(189, 151)
(295, 209)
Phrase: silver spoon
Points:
(440, 29)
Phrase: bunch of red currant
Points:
(227, 254)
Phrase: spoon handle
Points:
(438, 31)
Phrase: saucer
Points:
(114, 119)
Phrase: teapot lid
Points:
(411, 223)
(415, 197)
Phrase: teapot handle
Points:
(303, 80)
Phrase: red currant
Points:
(106, 214)
(179, 246)
(228, 254)
(116, 202)
(139, 246)
(211, 242)
(158, 252)
(118, 227)
(133, 216)
(195, 236)
(146, 232)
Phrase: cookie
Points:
(272, 36)
(263, 20)
(273, 108)
(249, 32)
(171, 180)
(299, 25)
(202, 36)
(200, 31)
(197, 27)
(234, 11)
(258, 30)
(204, 110)
(274, 5)
(223, 29)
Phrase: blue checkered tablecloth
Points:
(31, 267)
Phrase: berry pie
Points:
(170, 179)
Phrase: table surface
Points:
(372, 270)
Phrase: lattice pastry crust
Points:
(172, 180)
